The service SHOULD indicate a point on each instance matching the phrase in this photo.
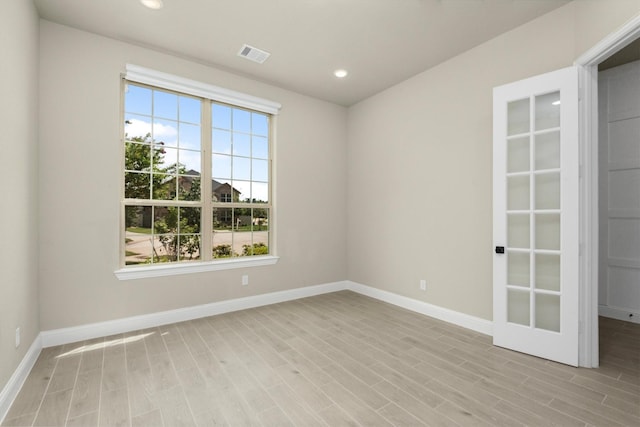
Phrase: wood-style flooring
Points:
(330, 360)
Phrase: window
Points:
(225, 197)
(179, 146)
(240, 172)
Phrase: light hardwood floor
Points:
(330, 360)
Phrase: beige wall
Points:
(19, 205)
(420, 160)
(595, 19)
(80, 193)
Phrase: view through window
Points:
(178, 147)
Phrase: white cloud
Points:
(136, 127)
(191, 159)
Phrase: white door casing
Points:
(536, 186)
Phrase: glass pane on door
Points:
(518, 231)
(547, 271)
(518, 269)
(547, 150)
(547, 234)
(518, 154)
(548, 191)
(548, 312)
(518, 193)
(547, 111)
(518, 307)
(518, 117)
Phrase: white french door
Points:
(536, 211)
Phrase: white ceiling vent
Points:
(253, 54)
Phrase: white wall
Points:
(19, 205)
(420, 160)
(80, 193)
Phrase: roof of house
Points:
(214, 184)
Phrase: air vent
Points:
(253, 54)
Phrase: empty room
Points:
(320, 212)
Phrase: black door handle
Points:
(499, 249)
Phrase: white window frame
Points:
(171, 82)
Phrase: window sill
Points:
(131, 273)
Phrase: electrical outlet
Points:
(245, 280)
(423, 285)
(17, 337)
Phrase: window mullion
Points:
(240, 205)
(161, 202)
(206, 223)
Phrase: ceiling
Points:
(627, 54)
(380, 42)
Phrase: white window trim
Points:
(193, 267)
(151, 77)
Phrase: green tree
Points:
(223, 251)
(146, 176)
(142, 161)
(177, 232)
(255, 249)
(178, 229)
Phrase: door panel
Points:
(536, 216)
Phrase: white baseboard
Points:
(476, 324)
(13, 386)
(95, 330)
(619, 313)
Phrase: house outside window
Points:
(177, 148)
(225, 197)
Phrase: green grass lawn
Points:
(241, 228)
(139, 230)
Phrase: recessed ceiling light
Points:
(340, 73)
(152, 4)
(556, 102)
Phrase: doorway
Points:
(619, 179)
(611, 48)
(619, 200)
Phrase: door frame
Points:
(587, 65)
